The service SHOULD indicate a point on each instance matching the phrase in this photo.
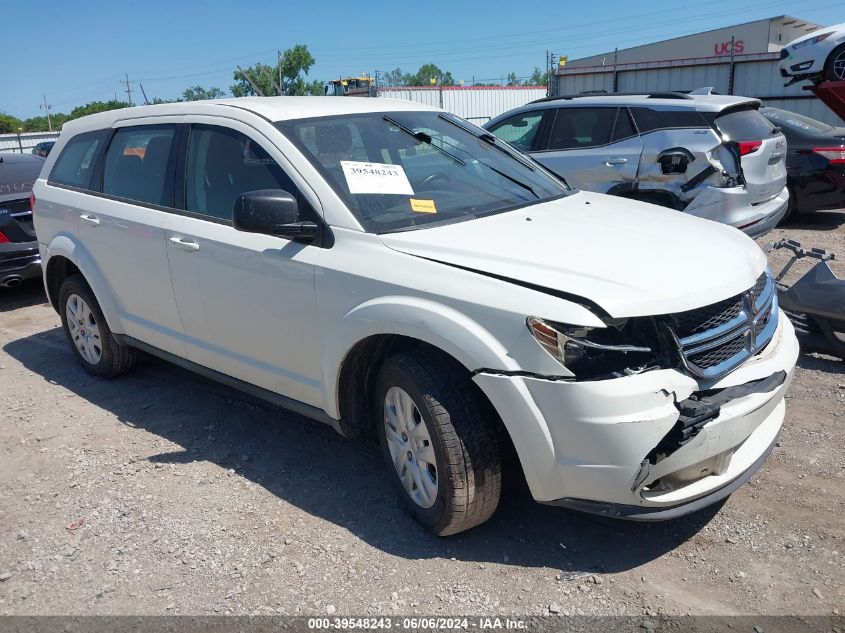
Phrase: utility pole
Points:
(128, 88)
(146, 101)
(47, 110)
(251, 82)
(279, 64)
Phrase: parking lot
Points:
(162, 492)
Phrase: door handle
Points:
(178, 242)
(615, 161)
(90, 219)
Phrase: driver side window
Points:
(520, 130)
(221, 165)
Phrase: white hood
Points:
(630, 258)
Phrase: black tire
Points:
(115, 359)
(829, 72)
(469, 474)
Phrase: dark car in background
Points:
(43, 148)
(815, 161)
(19, 256)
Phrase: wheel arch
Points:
(370, 333)
(67, 257)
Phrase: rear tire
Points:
(442, 451)
(834, 67)
(90, 338)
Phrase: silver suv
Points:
(708, 155)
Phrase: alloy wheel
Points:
(839, 66)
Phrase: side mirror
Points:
(271, 212)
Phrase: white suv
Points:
(391, 270)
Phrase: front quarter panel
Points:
(365, 288)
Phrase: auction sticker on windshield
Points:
(376, 178)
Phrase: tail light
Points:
(32, 202)
(834, 155)
(3, 238)
(748, 147)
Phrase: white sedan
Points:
(817, 55)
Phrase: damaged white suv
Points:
(709, 155)
(390, 270)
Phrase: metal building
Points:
(478, 104)
(740, 60)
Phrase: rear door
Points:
(123, 226)
(762, 150)
(595, 148)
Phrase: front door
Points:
(247, 301)
(596, 149)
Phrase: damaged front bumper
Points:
(649, 446)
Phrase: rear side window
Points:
(649, 119)
(138, 164)
(520, 130)
(223, 164)
(744, 125)
(76, 163)
(624, 128)
(581, 127)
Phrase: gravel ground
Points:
(164, 493)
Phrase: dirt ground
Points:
(189, 498)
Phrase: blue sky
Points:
(77, 52)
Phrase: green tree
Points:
(538, 78)
(97, 106)
(396, 77)
(429, 72)
(198, 93)
(290, 69)
(512, 80)
(9, 124)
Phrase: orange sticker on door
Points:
(423, 206)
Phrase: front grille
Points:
(714, 340)
(713, 357)
(707, 318)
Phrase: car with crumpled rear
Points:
(391, 270)
(19, 256)
(709, 155)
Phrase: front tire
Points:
(439, 446)
(90, 338)
(834, 68)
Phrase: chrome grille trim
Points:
(718, 351)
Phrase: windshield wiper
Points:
(492, 141)
(422, 137)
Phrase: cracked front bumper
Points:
(587, 444)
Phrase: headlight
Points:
(592, 352)
(812, 40)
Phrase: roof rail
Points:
(595, 93)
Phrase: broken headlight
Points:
(594, 353)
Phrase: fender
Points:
(67, 246)
(433, 323)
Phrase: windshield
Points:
(403, 170)
(794, 120)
